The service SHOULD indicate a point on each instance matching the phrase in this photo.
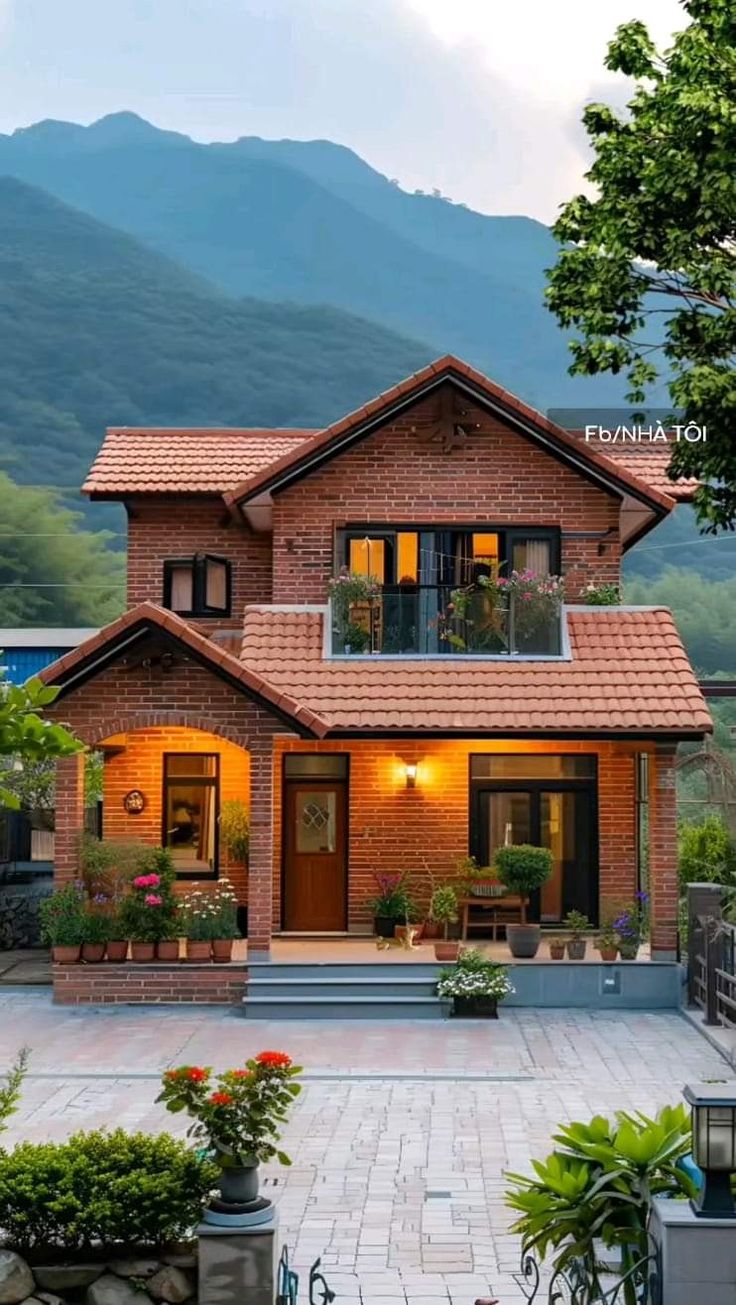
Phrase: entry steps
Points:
(382, 990)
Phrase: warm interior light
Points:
(411, 774)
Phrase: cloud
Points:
(473, 97)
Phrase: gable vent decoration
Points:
(452, 426)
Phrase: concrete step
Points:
(379, 969)
(396, 987)
(351, 1008)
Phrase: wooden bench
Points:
(503, 910)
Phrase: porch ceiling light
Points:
(714, 1146)
(411, 774)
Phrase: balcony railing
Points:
(430, 620)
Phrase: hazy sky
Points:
(481, 98)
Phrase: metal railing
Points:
(429, 620)
(711, 955)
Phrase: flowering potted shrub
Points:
(523, 869)
(631, 927)
(391, 905)
(63, 922)
(199, 921)
(607, 943)
(348, 592)
(96, 931)
(141, 916)
(236, 1118)
(117, 943)
(602, 595)
(475, 984)
(577, 923)
(535, 602)
(225, 922)
(444, 910)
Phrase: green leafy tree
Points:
(51, 572)
(706, 852)
(647, 272)
(24, 733)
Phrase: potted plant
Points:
(235, 829)
(199, 920)
(96, 931)
(577, 923)
(475, 984)
(63, 922)
(391, 904)
(523, 869)
(225, 923)
(557, 949)
(631, 927)
(478, 880)
(117, 943)
(144, 916)
(352, 596)
(444, 910)
(167, 941)
(238, 1122)
(608, 942)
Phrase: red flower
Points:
(241, 1073)
(195, 1074)
(274, 1059)
(221, 1099)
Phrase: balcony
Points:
(441, 620)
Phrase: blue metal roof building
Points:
(25, 652)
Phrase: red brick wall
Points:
(173, 528)
(76, 985)
(394, 475)
(425, 829)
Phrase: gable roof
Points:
(146, 619)
(628, 675)
(143, 460)
(298, 461)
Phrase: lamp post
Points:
(714, 1146)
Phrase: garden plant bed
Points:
(158, 981)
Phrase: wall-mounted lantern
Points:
(410, 771)
(714, 1146)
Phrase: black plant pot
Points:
(384, 925)
(475, 1008)
(523, 940)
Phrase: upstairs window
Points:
(430, 556)
(198, 586)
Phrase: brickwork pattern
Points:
(110, 984)
(399, 475)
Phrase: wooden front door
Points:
(315, 855)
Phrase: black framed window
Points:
(198, 586)
(191, 811)
(417, 555)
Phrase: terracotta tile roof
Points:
(328, 441)
(648, 462)
(135, 460)
(148, 616)
(629, 672)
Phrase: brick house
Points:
(427, 722)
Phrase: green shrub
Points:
(706, 852)
(10, 1089)
(117, 1187)
(235, 828)
(522, 868)
(63, 917)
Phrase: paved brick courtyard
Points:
(403, 1130)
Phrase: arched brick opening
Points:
(131, 722)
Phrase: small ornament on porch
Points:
(237, 1124)
(134, 802)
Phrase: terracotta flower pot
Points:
(446, 950)
(222, 949)
(608, 953)
(198, 951)
(93, 953)
(557, 951)
(167, 949)
(117, 951)
(66, 955)
(142, 951)
(432, 929)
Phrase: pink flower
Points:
(153, 899)
(147, 881)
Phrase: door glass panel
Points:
(531, 555)
(509, 765)
(315, 818)
(326, 765)
(509, 820)
(557, 828)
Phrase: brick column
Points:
(69, 816)
(260, 858)
(663, 887)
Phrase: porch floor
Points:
(362, 950)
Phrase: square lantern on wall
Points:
(714, 1146)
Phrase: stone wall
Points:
(19, 911)
(162, 1278)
